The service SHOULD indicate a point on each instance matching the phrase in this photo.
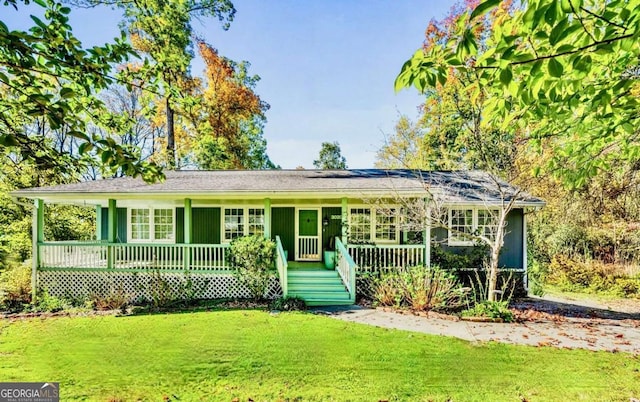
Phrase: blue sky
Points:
(327, 67)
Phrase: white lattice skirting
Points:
(140, 286)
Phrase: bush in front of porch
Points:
(253, 258)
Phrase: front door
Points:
(308, 235)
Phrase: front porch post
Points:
(345, 222)
(188, 230)
(37, 237)
(267, 218)
(112, 222)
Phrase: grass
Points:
(246, 354)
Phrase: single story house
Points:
(185, 223)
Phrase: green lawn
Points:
(294, 356)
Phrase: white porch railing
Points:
(308, 248)
(282, 265)
(346, 267)
(73, 254)
(100, 255)
(386, 256)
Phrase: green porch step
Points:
(312, 273)
(323, 287)
(318, 287)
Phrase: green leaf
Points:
(555, 68)
(558, 32)
(565, 5)
(40, 3)
(85, 147)
(78, 134)
(67, 92)
(506, 75)
(484, 7)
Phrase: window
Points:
(242, 222)
(488, 222)
(461, 223)
(143, 228)
(140, 224)
(163, 224)
(386, 224)
(360, 224)
(373, 225)
(256, 221)
(233, 223)
(470, 221)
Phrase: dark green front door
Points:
(308, 242)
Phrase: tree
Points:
(566, 71)
(163, 31)
(48, 81)
(229, 118)
(330, 157)
(453, 133)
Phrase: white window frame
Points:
(373, 223)
(453, 238)
(245, 220)
(152, 230)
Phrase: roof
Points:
(462, 187)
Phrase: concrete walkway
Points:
(613, 335)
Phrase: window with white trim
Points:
(465, 222)
(488, 222)
(360, 224)
(139, 223)
(233, 223)
(151, 224)
(461, 224)
(256, 221)
(378, 225)
(239, 222)
(386, 224)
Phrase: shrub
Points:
(470, 257)
(114, 299)
(15, 287)
(47, 303)
(254, 259)
(419, 288)
(168, 292)
(490, 309)
(288, 303)
(591, 276)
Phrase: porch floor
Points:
(306, 265)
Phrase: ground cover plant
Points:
(244, 354)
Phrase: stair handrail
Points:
(346, 267)
(282, 265)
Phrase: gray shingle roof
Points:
(449, 186)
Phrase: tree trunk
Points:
(495, 255)
(493, 272)
(171, 138)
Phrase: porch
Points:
(310, 280)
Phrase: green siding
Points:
(206, 225)
(105, 223)
(179, 225)
(283, 224)
(334, 229)
(121, 224)
(511, 253)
